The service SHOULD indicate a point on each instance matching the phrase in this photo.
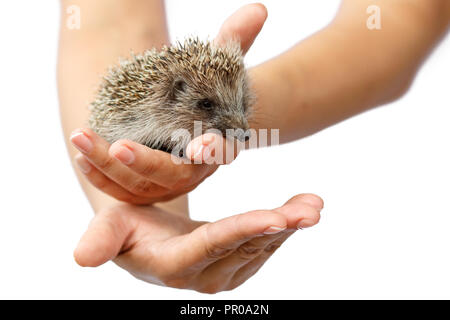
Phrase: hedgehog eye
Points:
(205, 104)
(179, 85)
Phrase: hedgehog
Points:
(148, 97)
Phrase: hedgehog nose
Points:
(242, 135)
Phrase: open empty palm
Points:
(169, 249)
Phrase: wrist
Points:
(178, 206)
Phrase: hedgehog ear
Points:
(178, 86)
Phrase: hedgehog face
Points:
(219, 103)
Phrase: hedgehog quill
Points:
(148, 97)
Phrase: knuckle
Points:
(214, 251)
(232, 286)
(149, 168)
(183, 179)
(106, 163)
(89, 132)
(317, 217)
(163, 198)
(137, 200)
(249, 251)
(182, 182)
(99, 182)
(188, 189)
(178, 283)
(272, 247)
(123, 142)
(238, 227)
(142, 187)
(211, 288)
(130, 198)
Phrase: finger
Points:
(213, 241)
(96, 151)
(211, 148)
(313, 200)
(297, 211)
(252, 267)
(158, 166)
(106, 185)
(243, 25)
(226, 268)
(301, 211)
(297, 214)
(219, 240)
(289, 209)
(103, 240)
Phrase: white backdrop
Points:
(384, 176)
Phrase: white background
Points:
(384, 176)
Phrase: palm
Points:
(164, 248)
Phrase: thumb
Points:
(103, 239)
(212, 148)
(243, 25)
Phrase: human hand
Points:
(136, 174)
(168, 249)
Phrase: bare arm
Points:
(110, 29)
(125, 170)
(160, 245)
(346, 68)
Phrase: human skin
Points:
(353, 63)
(108, 167)
(159, 243)
(346, 69)
(368, 68)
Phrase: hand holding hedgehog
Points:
(124, 169)
(159, 243)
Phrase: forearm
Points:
(346, 68)
(110, 29)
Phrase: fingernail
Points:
(207, 154)
(208, 139)
(199, 153)
(274, 230)
(81, 142)
(83, 164)
(314, 201)
(305, 223)
(125, 155)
